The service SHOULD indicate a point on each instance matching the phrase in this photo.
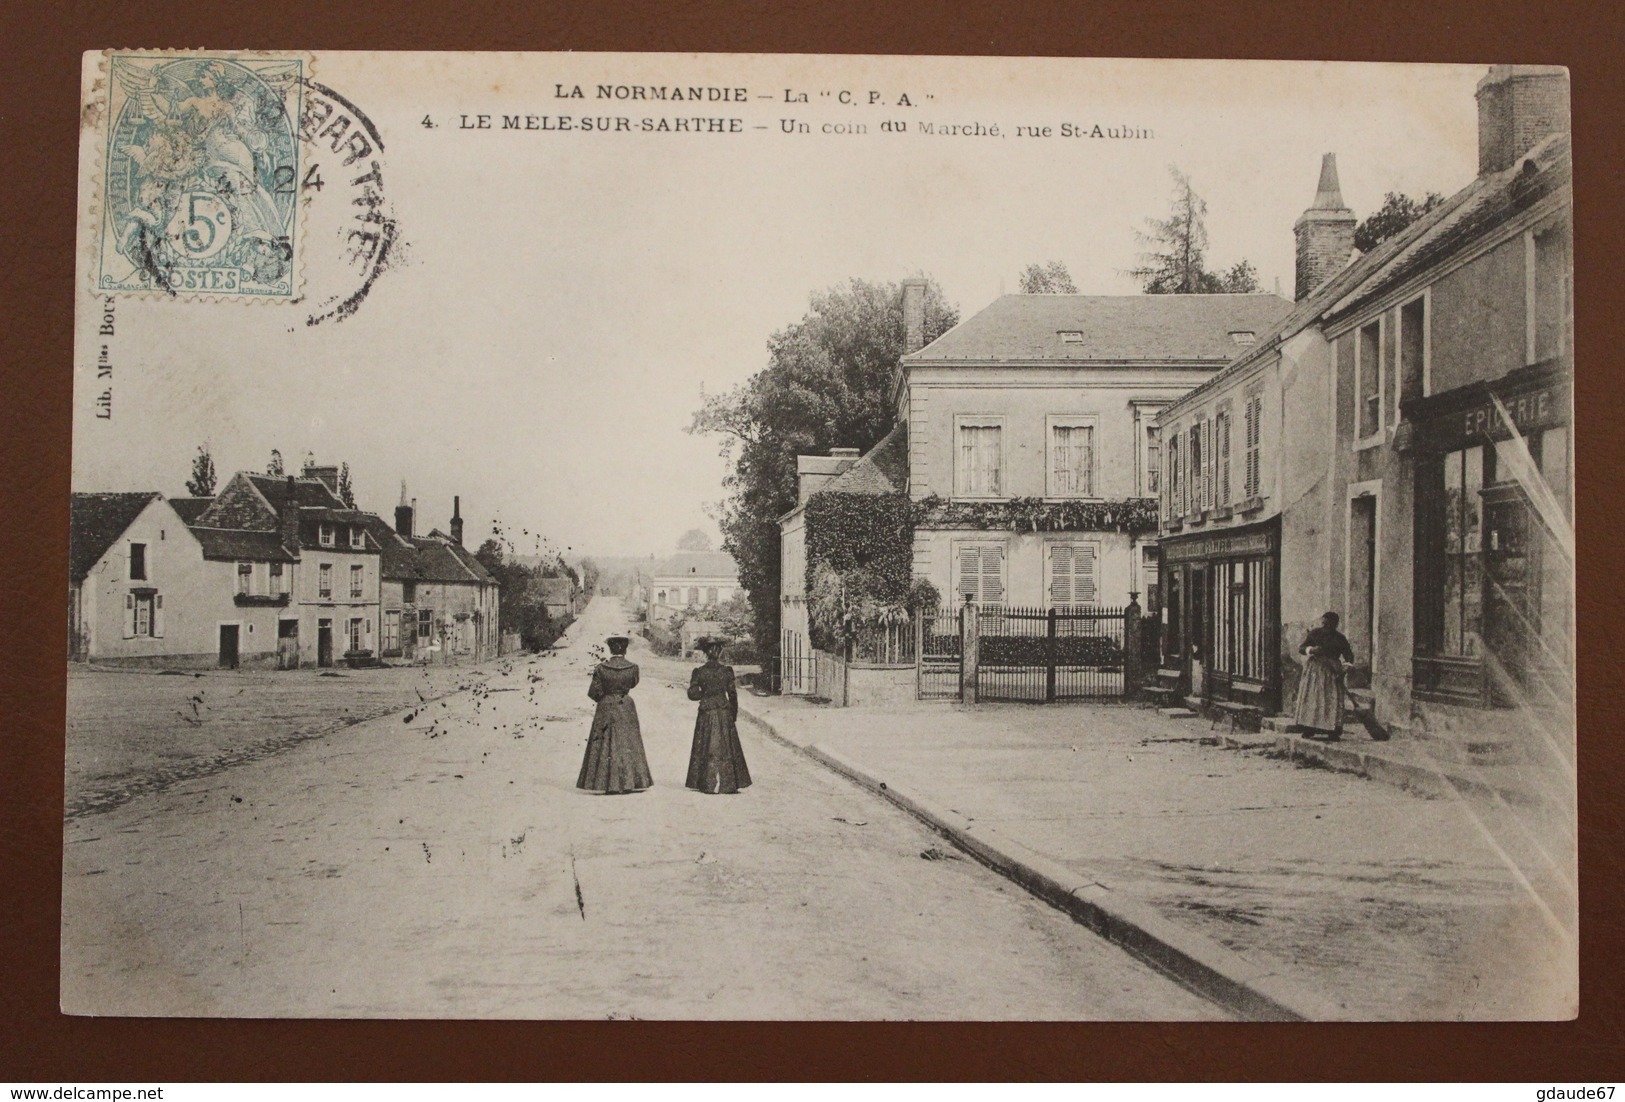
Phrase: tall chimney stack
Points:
(289, 518)
(457, 521)
(913, 315)
(1519, 106)
(1324, 232)
(404, 513)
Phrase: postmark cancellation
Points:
(200, 175)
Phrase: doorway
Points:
(1511, 607)
(324, 643)
(1361, 615)
(287, 645)
(228, 646)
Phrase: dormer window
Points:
(325, 535)
(358, 538)
(1071, 336)
(1242, 337)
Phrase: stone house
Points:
(438, 603)
(1413, 451)
(691, 580)
(1047, 404)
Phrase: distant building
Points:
(561, 596)
(438, 602)
(691, 580)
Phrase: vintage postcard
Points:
(796, 537)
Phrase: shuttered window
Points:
(1175, 480)
(1255, 414)
(981, 573)
(1193, 460)
(1072, 572)
(1207, 464)
(1221, 445)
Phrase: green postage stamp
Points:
(200, 175)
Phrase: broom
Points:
(1367, 718)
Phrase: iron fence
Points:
(938, 645)
(1043, 655)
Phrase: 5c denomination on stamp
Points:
(200, 178)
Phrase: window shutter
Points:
(1083, 574)
(129, 616)
(992, 575)
(1207, 464)
(1255, 411)
(1086, 462)
(970, 569)
(158, 616)
(1060, 575)
(1223, 428)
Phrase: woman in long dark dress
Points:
(717, 763)
(1319, 707)
(615, 762)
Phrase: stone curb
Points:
(1194, 961)
(1407, 775)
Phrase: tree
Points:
(827, 384)
(274, 468)
(1175, 260)
(346, 491)
(695, 539)
(1050, 278)
(1397, 212)
(201, 484)
(520, 608)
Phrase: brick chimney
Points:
(329, 476)
(814, 471)
(404, 513)
(457, 521)
(289, 518)
(1518, 107)
(1325, 233)
(913, 315)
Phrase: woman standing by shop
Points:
(1319, 708)
(717, 763)
(615, 762)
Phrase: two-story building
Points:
(438, 603)
(691, 580)
(151, 589)
(1397, 450)
(331, 607)
(1033, 443)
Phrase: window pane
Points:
(1370, 380)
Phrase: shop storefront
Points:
(1494, 582)
(1222, 612)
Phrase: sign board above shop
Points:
(1220, 545)
(1534, 400)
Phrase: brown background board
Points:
(39, 84)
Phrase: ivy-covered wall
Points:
(1132, 516)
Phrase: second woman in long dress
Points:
(1319, 708)
(615, 762)
(717, 763)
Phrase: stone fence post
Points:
(968, 631)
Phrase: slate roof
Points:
(1140, 328)
(190, 508)
(1472, 212)
(242, 544)
(306, 491)
(715, 564)
(422, 558)
(96, 521)
(884, 470)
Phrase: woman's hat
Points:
(710, 643)
(613, 639)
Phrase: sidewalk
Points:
(1280, 889)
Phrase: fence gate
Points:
(798, 666)
(938, 653)
(1044, 655)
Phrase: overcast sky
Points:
(566, 298)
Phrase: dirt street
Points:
(438, 862)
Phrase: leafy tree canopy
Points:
(1175, 258)
(695, 539)
(274, 467)
(346, 491)
(1049, 278)
(1397, 212)
(201, 484)
(827, 384)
